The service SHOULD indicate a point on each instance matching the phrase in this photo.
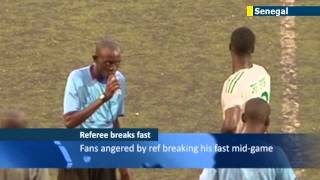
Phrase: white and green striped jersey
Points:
(245, 84)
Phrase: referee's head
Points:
(107, 57)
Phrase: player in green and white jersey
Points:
(247, 81)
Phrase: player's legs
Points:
(73, 174)
(102, 174)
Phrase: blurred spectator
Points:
(16, 119)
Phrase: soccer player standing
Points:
(247, 81)
(94, 98)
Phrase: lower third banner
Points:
(169, 151)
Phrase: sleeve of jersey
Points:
(71, 98)
(269, 88)
(208, 174)
(283, 173)
(231, 96)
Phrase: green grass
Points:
(175, 58)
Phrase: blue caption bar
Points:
(116, 134)
(172, 150)
(283, 10)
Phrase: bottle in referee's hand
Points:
(112, 87)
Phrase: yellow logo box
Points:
(249, 10)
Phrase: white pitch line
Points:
(290, 105)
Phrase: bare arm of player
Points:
(73, 119)
(232, 118)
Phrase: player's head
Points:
(12, 119)
(256, 115)
(242, 42)
(107, 57)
